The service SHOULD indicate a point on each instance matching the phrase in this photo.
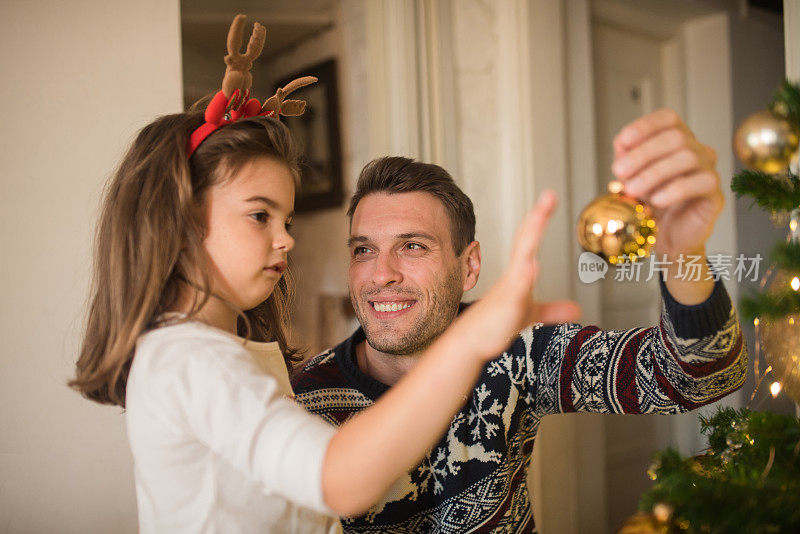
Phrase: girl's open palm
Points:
(509, 306)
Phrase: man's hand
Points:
(508, 306)
(659, 160)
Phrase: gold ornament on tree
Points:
(617, 227)
(766, 142)
(642, 523)
(779, 339)
(780, 343)
(655, 522)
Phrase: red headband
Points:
(224, 109)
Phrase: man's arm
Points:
(694, 356)
(690, 291)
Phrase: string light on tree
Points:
(778, 311)
(779, 338)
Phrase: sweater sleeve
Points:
(218, 395)
(694, 356)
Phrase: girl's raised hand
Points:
(509, 306)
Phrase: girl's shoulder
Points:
(186, 333)
(190, 364)
(189, 343)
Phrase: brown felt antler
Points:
(233, 102)
(279, 106)
(237, 72)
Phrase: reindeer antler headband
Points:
(233, 102)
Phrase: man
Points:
(413, 254)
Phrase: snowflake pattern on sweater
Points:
(475, 478)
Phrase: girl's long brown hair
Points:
(150, 238)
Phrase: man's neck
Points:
(385, 368)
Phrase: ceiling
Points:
(205, 23)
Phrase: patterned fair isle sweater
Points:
(475, 478)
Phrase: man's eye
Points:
(360, 250)
(415, 246)
(259, 216)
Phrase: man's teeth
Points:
(390, 306)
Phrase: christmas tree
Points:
(748, 480)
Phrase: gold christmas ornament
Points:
(617, 227)
(766, 142)
(779, 219)
(780, 339)
(643, 523)
(662, 512)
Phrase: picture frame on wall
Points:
(318, 134)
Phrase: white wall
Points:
(320, 257)
(322, 233)
(78, 79)
(475, 36)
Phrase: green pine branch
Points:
(770, 306)
(776, 304)
(786, 255)
(786, 102)
(747, 481)
(770, 192)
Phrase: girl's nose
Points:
(283, 241)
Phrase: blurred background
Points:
(511, 96)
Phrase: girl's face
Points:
(247, 241)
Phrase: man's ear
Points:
(471, 258)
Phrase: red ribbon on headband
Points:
(222, 111)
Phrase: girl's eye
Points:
(259, 217)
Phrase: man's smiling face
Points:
(406, 281)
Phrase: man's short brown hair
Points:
(396, 174)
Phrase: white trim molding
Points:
(791, 33)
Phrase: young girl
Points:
(191, 253)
